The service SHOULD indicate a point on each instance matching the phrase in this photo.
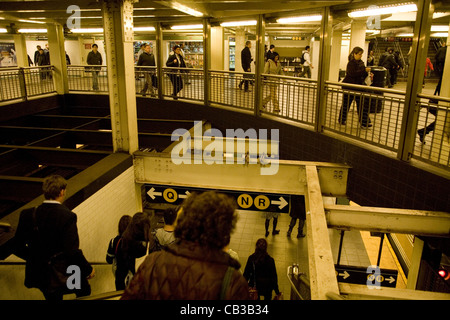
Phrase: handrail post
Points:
(23, 87)
(159, 60)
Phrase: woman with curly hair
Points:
(195, 266)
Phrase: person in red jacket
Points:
(195, 266)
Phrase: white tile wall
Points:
(98, 216)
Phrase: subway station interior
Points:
(377, 197)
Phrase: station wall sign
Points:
(371, 276)
(251, 201)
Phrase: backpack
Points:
(302, 58)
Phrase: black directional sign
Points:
(371, 276)
(266, 202)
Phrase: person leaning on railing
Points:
(147, 59)
(95, 58)
(356, 73)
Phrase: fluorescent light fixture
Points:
(439, 28)
(3, 30)
(32, 30)
(238, 23)
(31, 21)
(186, 27)
(437, 15)
(373, 31)
(405, 35)
(87, 30)
(440, 34)
(300, 19)
(143, 28)
(185, 9)
(376, 11)
(145, 16)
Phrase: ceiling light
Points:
(32, 30)
(183, 8)
(405, 35)
(137, 9)
(300, 19)
(376, 11)
(238, 23)
(440, 35)
(439, 28)
(143, 28)
(184, 27)
(145, 16)
(87, 30)
(437, 15)
(3, 30)
(31, 21)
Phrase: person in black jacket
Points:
(176, 60)
(387, 60)
(246, 60)
(42, 61)
(260, 270)
(355, 74)
(147, 59)
(297, 212)
(95, 58)
(45, 231)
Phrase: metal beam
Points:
(388, 220)
(289, 179)
(322, 274)
(362, 292)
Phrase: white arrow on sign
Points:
(185, 195)
(345, 274)
(391, 279)
(152, 194)
(282, 203)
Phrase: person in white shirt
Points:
(307, 65)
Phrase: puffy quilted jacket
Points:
(186, 271)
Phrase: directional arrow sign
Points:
(371, 276)
(252, 201)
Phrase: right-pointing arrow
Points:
(345, 274)
(282, 203)
(391, 279)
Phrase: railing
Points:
(300, 286)
(381, 109)
(296, 99)
(23, 83)
(87, 78)
(228, 89)
(433, 130)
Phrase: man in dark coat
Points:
(246, 60)
(297, 212)
(95, 58)
(46, 231)
(176, 60)
(387, 60)
(147, 59)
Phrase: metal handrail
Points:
(305, 282)
(364, 87)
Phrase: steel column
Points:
(259, 65)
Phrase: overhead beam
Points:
(388, 220)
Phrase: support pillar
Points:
(323, 67)
(55, 33)
(206, 60)
(416, 259)
(21, 50)
(335, 59)
(118, 32)
(358, 34)
(217, 48)
(240, 44)
(160, 63)
(259, 65)
(418, 57)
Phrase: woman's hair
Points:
(260, 249)
(123, 223)
(138, 228)
(274, 54)
(52, 186)
(355, 51)
(207, 219)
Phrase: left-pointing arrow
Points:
(152, 194)
(282, 203)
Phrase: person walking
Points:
(356, 73)
(47, 232)
(95, 58)
(195, 266)
(147, 59)
(246, 60)
(273, 66)
(307, 65)
(42, 61)
(260, 271)
(370, 59)
(387, 60)
(298, 212)
(439, 64)
(176, 61)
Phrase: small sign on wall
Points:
(87, 46)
